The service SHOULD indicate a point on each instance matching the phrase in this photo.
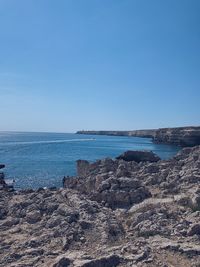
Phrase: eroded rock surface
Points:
(117, 213)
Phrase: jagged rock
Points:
(143, 255)
(70, 216)
(105, 185)
(82, 168)
(122, 198)
(53, 222)
(174, 246)
(115, 192)
(121, 213)
(195, 202)
(194, 230)
(33, 217)
(85, 224)
(128, 183)
(10, 222)
(148, 228)
(3, 212)
(190, 250)
(139, 156)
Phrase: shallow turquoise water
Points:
(42, 159)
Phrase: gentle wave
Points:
(48, 142)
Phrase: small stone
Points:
(33, 217)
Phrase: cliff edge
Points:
(181, 136)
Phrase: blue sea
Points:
(42, 159)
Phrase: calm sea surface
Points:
(42, 159)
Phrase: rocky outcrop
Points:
(181, 136)
(99, 182)
(116, 213)
(83, 168)
(139, 156)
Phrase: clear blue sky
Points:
(67, 65)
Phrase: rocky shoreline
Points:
(181, 136)
(120, 212)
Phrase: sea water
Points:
(42, 159)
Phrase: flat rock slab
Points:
(139, 156)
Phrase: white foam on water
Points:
(47, 142)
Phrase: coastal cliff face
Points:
(185, 136)
(181, 136)
(116, 213)
(137, 133)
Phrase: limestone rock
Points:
(122, 213)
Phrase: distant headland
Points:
(181, 136)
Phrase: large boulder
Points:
(138, 156)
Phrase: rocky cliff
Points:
(116, 213)
(181, 136)
(137, 133)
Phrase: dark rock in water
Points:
(2, 176)
(2, 166)
(139, 156)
